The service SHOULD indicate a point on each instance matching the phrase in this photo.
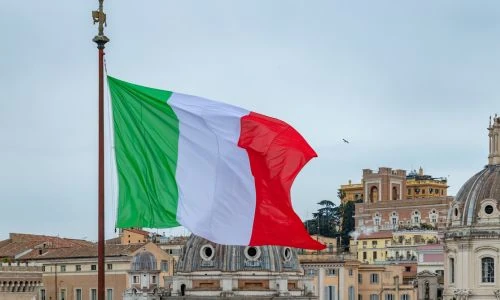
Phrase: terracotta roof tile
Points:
(83, 252)
(375, 235)
(19, 243)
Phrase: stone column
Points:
(321, 287)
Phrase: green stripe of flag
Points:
(146, 135)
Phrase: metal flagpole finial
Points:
(100, 17)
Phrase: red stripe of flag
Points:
(277, 153)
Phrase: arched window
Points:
(487, 269)
(395, 195)
(373, 194)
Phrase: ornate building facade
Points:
(472, 237)
(212, 271)
(391, 200)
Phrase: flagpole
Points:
(100, 39)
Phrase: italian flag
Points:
(221, 171)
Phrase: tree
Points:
(325, 220)
(347, 223)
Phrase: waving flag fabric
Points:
(221, 171)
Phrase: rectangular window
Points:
(389, 297)
(350, 272)
(405, 297)
(93, 294)
(373, 297)
(153, 279)
(351, 293)
(136, 279)
(63, 268)
(164, 266)
(63, 294)
(109, 267)
(374, 244)
(374, 255)
(330, 293)
(330, 272)
(78, 294)
(78, 268)
(93, 267)
(109, 294)
(43, 268)
(452, 270)
(364, 255)
(360, 278)
(488, 269)
(364, 244)
(42, 294)
(360, 297)
(374, 278)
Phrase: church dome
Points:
(144, 261)
(478, 198)
(477, 202)
(201, 255)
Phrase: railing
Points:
(326, 257)
(20, 269)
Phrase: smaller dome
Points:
(144, 261)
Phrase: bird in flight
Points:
(345, 141)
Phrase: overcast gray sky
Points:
(408, 83)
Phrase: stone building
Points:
(208, 270)
(387, 205)
(389, 184)
(334, 275)
(472, 237)
(20, 282)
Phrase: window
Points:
(136, 279)
(43, 268)
(78, 294)
(109, 266)
(330, 272)
(330, 293)
(63, 268)
(42, 294)
(364, 244)
(452, 270)
(389, 297)
(407, 269)
(374, 278)
(164, 266)
(93, 294)
(78, 268)
(93, 267)
(374, 255)
(63, 294)
(360, 278)
(373, 297)
(109, 294)
(351, 293)
(394, 221)
(405, 297)
(364, 255)
(377, 221)
(153, 279)
(487, 269)
(374, 244)
(350, 272)
(360, 297)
